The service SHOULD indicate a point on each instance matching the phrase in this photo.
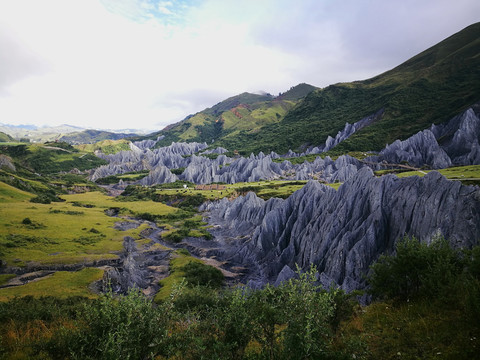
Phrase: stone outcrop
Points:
(160, 175)
(6, 162)
(343, 232)
(347, 131)
(418, 150)
(460, 138)
(218, 150)
(455, 142)
(138, 159)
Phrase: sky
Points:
(144, 64)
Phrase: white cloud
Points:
(145, 63)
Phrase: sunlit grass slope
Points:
(61, 284)
(73, 231)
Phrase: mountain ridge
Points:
(429, 88)
(225, 120)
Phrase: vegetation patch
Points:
(130, 176)
(61, 285)
(58, 233)
(178, 261)
(4, 278)
(468, 175)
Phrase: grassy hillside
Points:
(105, 146)
(68, 232)
(5, 137)
(50, 158)
(224, 122)
(432, 87)
(93, 136)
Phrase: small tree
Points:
(308, 311)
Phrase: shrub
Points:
(203, 275)
(177, 235)
(178, 171)
(127, 327)
(416, 270)
(308, 312)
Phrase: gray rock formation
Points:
(147, 144)
(343, 232)
(418, 150)
(460, 138)
(218, 150)
(137, 159)
(347, 131)
(455, 142)
(130, 274)
(160, 175)
(6, 162)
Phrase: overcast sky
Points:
(144, 64)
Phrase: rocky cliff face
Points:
(418, 150)
(343, 232)
(460, 138)
(453, 143)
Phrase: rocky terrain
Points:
(453, 143)
(342, 232)
(441, 146)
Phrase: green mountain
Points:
(431, 87)
(5, 137)
(93, 136)
(244, 113)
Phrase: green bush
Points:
(416, 270)
(178, 171)
(124, 327)
(200, 274)
(46, 197)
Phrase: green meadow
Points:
(74, 231)
(264, 189)
(61, 284)
(466, 174)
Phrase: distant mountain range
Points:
(67, 133)
(430, 88)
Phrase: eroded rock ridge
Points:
(343, 232)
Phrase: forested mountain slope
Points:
(431, 87)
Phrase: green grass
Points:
(226, 120)
(462, 173)
(263, 189)
(106, 146)
(178, 261)
(61, 284)
(5, 138)
(102, 201)
(414, 330)
(51, 158)
(64, 232)
(10, 194)
(4, 278)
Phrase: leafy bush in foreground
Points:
(127, 327)
(416, 270)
